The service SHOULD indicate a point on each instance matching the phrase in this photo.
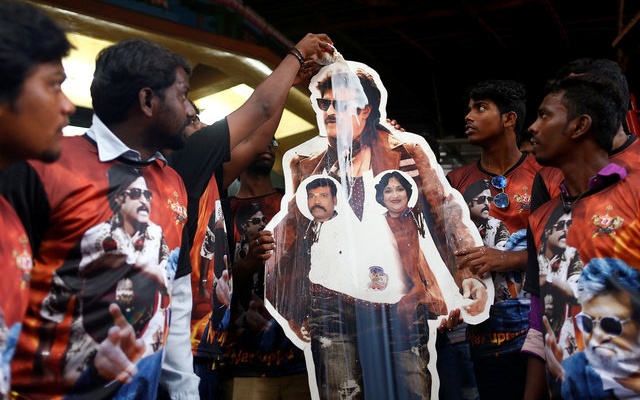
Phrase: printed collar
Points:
(605, 177)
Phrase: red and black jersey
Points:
(604, 223)
(246, 352)
(519, 183)
(15, 251)
(81, 265)
(628, 154)
(514, 217)
(199, 164)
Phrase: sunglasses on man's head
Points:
(257, 220)
(483, 199)
(610, 325)
(338, 105)
(135, 193)
(501, 200)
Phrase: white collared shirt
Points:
(110, 147)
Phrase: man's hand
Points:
(315, 44)
(481, 260)
(395, 125)
(475, 292)
(118, 353)
(223, 286)
(450, 322)
(552, 351)
(257, 316)
(261, 245)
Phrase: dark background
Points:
(428, 52)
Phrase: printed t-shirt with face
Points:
(81, 267)
(602, 224)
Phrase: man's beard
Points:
(260, 168)
(50, 156)
(620, 365)
(175, 142)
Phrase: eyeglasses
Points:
(135, 193)
(560, 225)
(501, 200)
(610, 325)
(274, 143)
(338, 105)
(257, 220)
(483, 199)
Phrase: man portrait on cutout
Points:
(353, 148)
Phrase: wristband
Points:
(298, 54)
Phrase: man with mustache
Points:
(140, 98)
(350, 101)
(609, 367)
(493, 231)
(134, 245)
(496, 112)
(560, 268)
(357, 147)
(575, 129)
(33, 111)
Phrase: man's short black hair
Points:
(475, 189)
(508, 96)
(125, 68)
(592, 95)
(323, 182)
(604, 68)
(28, 37)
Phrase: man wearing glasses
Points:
(577, 121)
(349, 105)
(493, 231)
(134, 246)
(353, 147)
(560, 268)
(255, 339)
(609, 366)
(495, 118)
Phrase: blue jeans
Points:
(455, 370)
(495, 350)
(210, 387)
(363, 350)
(334, 345)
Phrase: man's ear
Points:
(145, 98)
(581, 125)
(366, 111)
(119, 199)
(509, 119)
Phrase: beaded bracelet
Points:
(298, 54)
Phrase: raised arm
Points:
(252, 126)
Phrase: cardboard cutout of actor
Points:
(364, 263)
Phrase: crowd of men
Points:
(128, 273)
